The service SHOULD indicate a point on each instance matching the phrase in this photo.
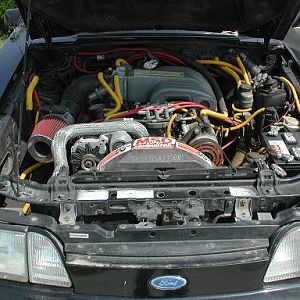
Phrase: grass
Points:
(2, 40)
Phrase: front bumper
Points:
(9, 290)
(215, 267)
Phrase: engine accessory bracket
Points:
(169, 214)
(243, 209)
(228, 208)
(68, 213)
(63, 190)
(267, 181)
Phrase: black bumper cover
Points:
(17, 291)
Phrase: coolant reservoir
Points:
(291, 123)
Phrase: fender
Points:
(11, 55)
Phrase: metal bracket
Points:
(228, 207)
(266, 181)
(68, 213)
(243, 209)
(63, 190)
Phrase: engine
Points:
(157, 96)
(156, 111)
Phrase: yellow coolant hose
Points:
(247, 121)
(24, 174)
(240, 110)
(29, 170)
(117, 88)
(219, 63)
(294, 92)
(112, 94)
(233, 74)
(170, 124)
(29, 92)
(213, 114)
(120, 61)
(244, 71)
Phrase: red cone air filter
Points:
(39, 144)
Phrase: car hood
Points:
(257, 18)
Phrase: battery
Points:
(296, 152)
(285, 150)
(289, 138)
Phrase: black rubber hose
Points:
(75, 96)
(214, 84)
(212, 81)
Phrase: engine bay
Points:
(136, 113)
(169, 98)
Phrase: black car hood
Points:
(257, 18)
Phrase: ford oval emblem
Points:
(168, 283)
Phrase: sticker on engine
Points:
(75, 235)
(113, 155)
(159, 73)
(278, 147)
(135, 194)
(154, 142)
(84, 195)
(241, 192)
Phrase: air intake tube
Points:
(72, 102)
(59, 144)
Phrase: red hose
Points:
(134, 57)
(166, 57)
(79, 68)
(37, 99)
(230, 143)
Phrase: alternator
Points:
(87, 152)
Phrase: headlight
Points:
(45, 264)
(13, 255)
(285, 261)
(31, 256)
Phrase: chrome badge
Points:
(168, 283)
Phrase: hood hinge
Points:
(267, 39)
(46, 31)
